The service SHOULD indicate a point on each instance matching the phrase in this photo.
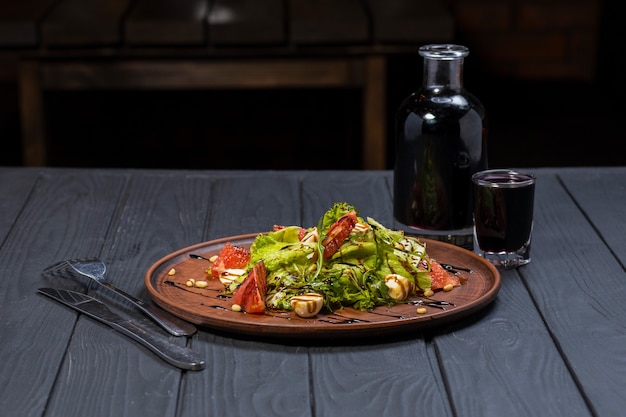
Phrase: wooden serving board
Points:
(212, 308)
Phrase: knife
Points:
(179, 356)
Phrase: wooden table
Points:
(552, 343)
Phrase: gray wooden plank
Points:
(251, 378)
(65, 215)
(253, 204)
(131, 246)
(118, 376)
(393, 379)
(368, 192)
(166, 23)
(247, 22)
(15, 186)
(601, 194)
(588, 315)
(577, 284)
(246, 377)
(84, 23)
(507, 361)
(135, 244)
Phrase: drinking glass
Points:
(503, 216)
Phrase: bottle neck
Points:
(444, 73)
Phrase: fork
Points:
(95, 269)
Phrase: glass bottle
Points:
(441, 140)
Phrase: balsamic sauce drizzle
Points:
(430, 303)
(455, 269)
(195, 256)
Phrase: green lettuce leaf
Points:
(354, 276)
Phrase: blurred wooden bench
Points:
(214, 44)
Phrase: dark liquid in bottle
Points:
(441, 142)
(504, 216)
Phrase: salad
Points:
(343, 261)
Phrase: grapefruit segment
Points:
(440, 277)
(250, 294)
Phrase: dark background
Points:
(533, 121)
(538, 123)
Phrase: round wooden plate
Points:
(212, 308)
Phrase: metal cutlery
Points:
(179, 356)
(95, 269)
